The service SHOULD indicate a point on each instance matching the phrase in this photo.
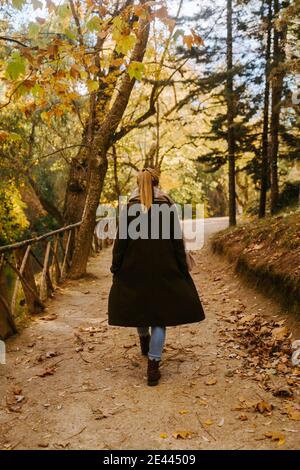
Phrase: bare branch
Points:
(5, 38)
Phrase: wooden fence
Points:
(31, 269)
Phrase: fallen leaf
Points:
(47, 371)
(247, 318)
(208, 422)
(99, 414)
(276, 437)
(293, 413)
(182, 435)
(290, 381)
(163, 435)
(244, 406)
(19, 398)
(202, 402)
(51, 354)
(282, 368)
(62, 445)
(43, 444)
(283, 392)
(183, 412)
(211, 381)
(243, 417)
(263, 406)
(280, 333)
(221, 422)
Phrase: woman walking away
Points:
(152, 287)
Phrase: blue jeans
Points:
(158, 335)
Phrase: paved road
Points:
(198, 231)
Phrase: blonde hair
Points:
(146, 179)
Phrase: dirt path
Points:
(73, 382)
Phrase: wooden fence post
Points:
(46, 285)
(55, 267)
(21, 261)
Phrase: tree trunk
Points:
(277, 87)
(265, 173)
(98, 156)
(31, 295)
(230, 119)
(76, 187)
(7, 324)
(85, 233)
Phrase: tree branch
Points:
(5, 38)
(114, 116)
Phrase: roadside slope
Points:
(267, 252)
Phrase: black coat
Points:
(151, 283)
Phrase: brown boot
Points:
(145, 342)
(153, 372)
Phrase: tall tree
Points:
(265, 133)
(279, 37)
(230, 118)
(98, 162)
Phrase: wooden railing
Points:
(31, 269)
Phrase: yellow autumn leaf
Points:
(183, 412)
(163, 435)
(208, 422)
(293, 413)
(92, 85)
(276, 437)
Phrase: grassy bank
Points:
(267, 253)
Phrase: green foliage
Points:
(18, 4)
(12, 219)
(135, 70)
(125, 44)
(94, 24)
(16, 66)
